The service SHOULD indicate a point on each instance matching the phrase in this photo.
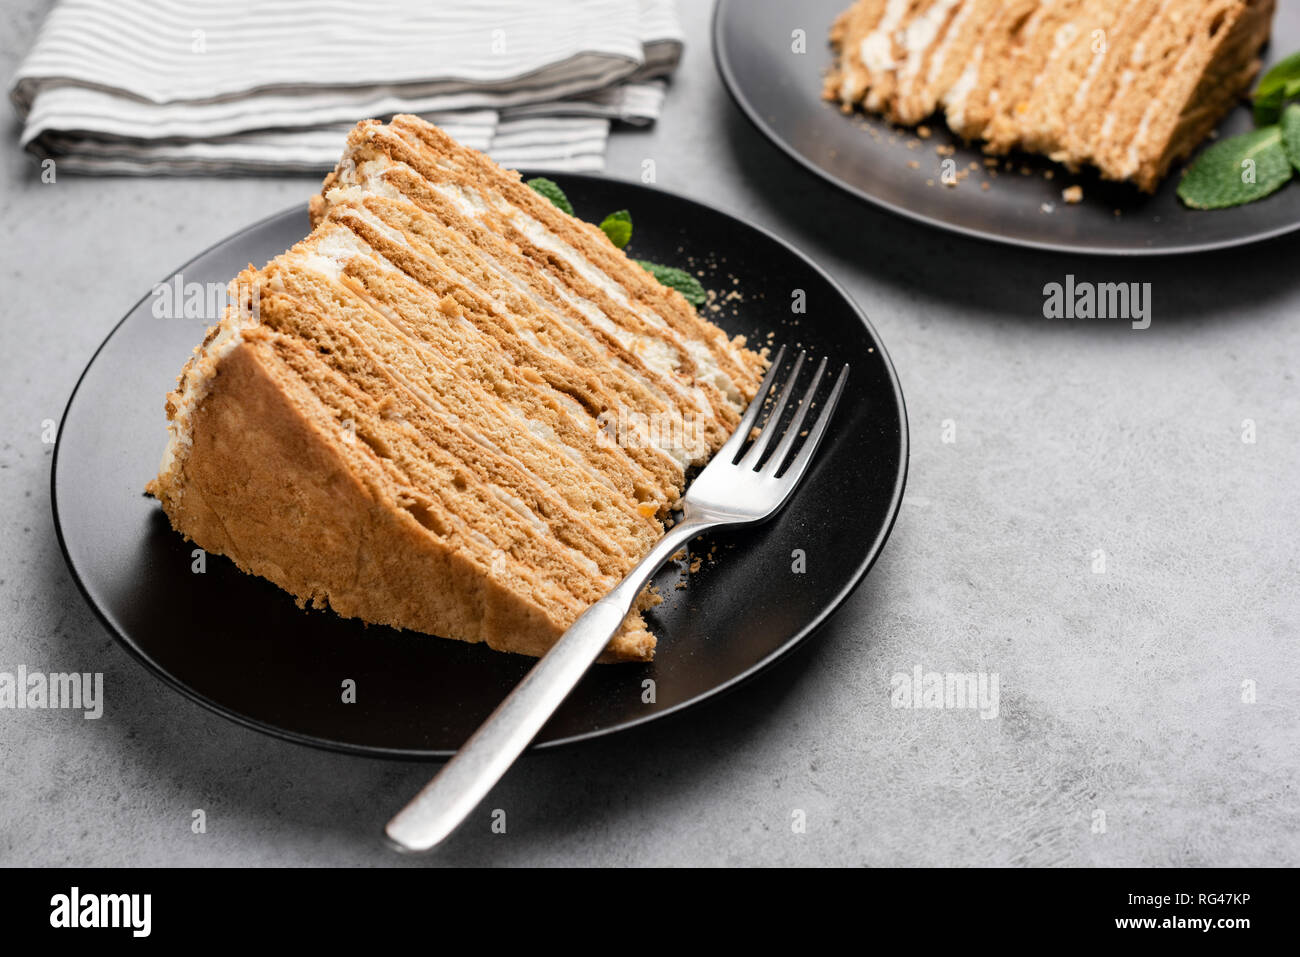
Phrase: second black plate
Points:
(779, 90)
(239, 645)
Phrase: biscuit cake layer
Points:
(452, 408)
(1126, 86)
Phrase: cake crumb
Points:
(923, 132)
(1072, 194)
(984, 185)
(913, 164)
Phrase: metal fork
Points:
(733, 489)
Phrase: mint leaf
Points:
(1291, 133)
(1279, 84)
(678, 279)
(1237, 170)
(618, 227)
(551, 190)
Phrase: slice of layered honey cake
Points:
(1126, 86)
(452, 408)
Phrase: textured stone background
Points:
(1120, 692)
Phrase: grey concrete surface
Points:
(1120, 692)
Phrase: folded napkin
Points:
(221, 86)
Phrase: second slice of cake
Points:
(452, 408)
(1126, 86)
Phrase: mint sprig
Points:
(618, 227)
(1279, 84)
(678, 279)
(1248, 167)
(551, 190)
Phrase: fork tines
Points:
(771, 428)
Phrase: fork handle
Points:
(468, 777)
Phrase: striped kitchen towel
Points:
(244, 86)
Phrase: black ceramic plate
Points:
(780, 92)
(240, 645)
